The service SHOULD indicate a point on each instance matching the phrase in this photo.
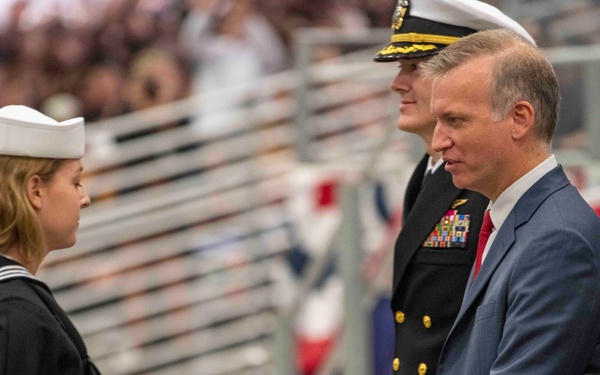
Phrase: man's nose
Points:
(401, 82)
(440, 140)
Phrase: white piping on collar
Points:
(12, 272)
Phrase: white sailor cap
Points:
(27, 132)
(424, 27)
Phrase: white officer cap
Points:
(27, 132)
(424, 27)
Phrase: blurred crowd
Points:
(101, 58)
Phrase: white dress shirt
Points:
(500, 209)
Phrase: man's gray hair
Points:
(519, 71)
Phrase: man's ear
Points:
(523, 115)
(34, 191)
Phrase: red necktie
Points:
(484, 234)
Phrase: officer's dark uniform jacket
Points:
(430, 266)
(36, 336)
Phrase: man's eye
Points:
(453, 121)
(409, 68)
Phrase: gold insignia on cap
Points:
(459, 202)
(389, 50)
(399, 14)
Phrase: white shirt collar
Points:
(500, 209)
(433, 167)
(509, 197)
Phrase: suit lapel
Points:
(521, 213)
(426, 212)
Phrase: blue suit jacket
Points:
(535, 305)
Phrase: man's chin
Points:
(457, 181)
(409, 127)
(414, 125)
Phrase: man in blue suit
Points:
(532, 304)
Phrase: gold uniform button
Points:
(427, 321)
(422, 369)
(396, 364)
(400, 317)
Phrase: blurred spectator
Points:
(379, 12)
(155, 77)
(343, 15)
(101, 90)
(68, 57)
(61, 106)
(230, 45)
